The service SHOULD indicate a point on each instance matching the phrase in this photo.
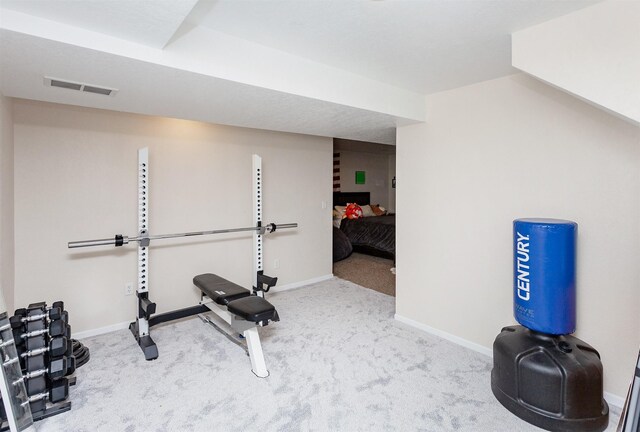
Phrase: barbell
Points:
(143, 240)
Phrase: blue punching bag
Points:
(544, 275)
(542, 373)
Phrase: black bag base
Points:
(553, 382)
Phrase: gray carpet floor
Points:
(367, 271)
(338, 362)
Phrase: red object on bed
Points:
(353, 211)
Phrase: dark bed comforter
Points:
(376, 233)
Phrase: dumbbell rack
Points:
(13, 409)
(45, 354)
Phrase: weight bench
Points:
(240, 309)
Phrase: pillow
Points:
(340, 210)
(353, 211)
(378, 210)
(367, 211)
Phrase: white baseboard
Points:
(614, 400)
(611, 398)
(101, 330)
(301, 283)
(444, 335)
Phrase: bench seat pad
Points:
(219, 289)
(254, 309)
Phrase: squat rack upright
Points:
(140, 328)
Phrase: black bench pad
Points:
(253, 309)
(219, 289)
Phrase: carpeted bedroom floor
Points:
(339, 361)
(367, 271)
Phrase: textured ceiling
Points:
(346, 69)
(146, 88)
(148, 22)
(425, 46)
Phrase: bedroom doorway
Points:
(368, 271)
(364, 249)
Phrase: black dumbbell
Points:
(42, 306)
(52, 315)
(71, 365)
(57, 368)
(58, 346)
(61, 366)
(57, 328)
(58, 391)
(21, 317)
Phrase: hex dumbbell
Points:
(21, 316)
(57, 368)
(42, 306)
(58, 346)
(57, 392)
(55, 329)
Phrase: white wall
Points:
(376, 168)
(76, 179)
(510, 148)
(6, 204)
(593, 53)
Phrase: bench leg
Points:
(258, 366)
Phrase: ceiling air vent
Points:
(99, 90)
(67, 85)
(84, 87)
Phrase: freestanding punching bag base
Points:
(553, 382)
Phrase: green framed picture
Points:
(360, 177)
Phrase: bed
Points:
(374, 235)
